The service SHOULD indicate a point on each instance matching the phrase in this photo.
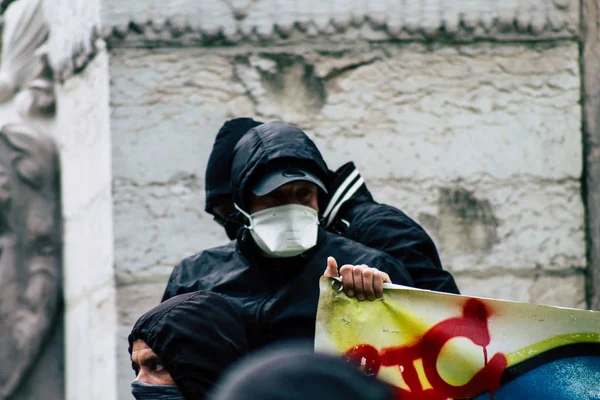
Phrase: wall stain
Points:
(294, 83)
(282, 85)
(465, 224)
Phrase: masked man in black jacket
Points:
(273, 267)
(350, 211)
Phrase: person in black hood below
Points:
(273, 268)
(180, 348)
(350, 211)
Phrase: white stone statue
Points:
(26, 79)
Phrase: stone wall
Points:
(480, 142)
(466, 115)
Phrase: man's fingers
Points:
(378, 280)
(332, 268)
(347, 279)
(378, 284)
(357, 275)
(368, 282)
(386, 277)
(360, 281)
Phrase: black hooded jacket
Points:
(353, 213)
(218, 171)
(197, 336)
(278, 296)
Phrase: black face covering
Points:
(232, 223)
(146, 391)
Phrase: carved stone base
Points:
(46, 380)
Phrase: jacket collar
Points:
(347, 184)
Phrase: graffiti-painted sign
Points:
(436, 346)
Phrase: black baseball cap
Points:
(280, 176)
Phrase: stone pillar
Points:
(591, 131)
(82, 131)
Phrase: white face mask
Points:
(284, 231)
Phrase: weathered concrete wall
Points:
(481, 143)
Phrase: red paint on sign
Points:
(473, 325)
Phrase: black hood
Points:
(267, 146)
(218, 169)
(197, 336)
(293, 372)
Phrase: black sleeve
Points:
(390, 230)
(181, 281)
(172, 286)
(398, 273)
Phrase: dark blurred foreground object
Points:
(295, 372)
(196, 336)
